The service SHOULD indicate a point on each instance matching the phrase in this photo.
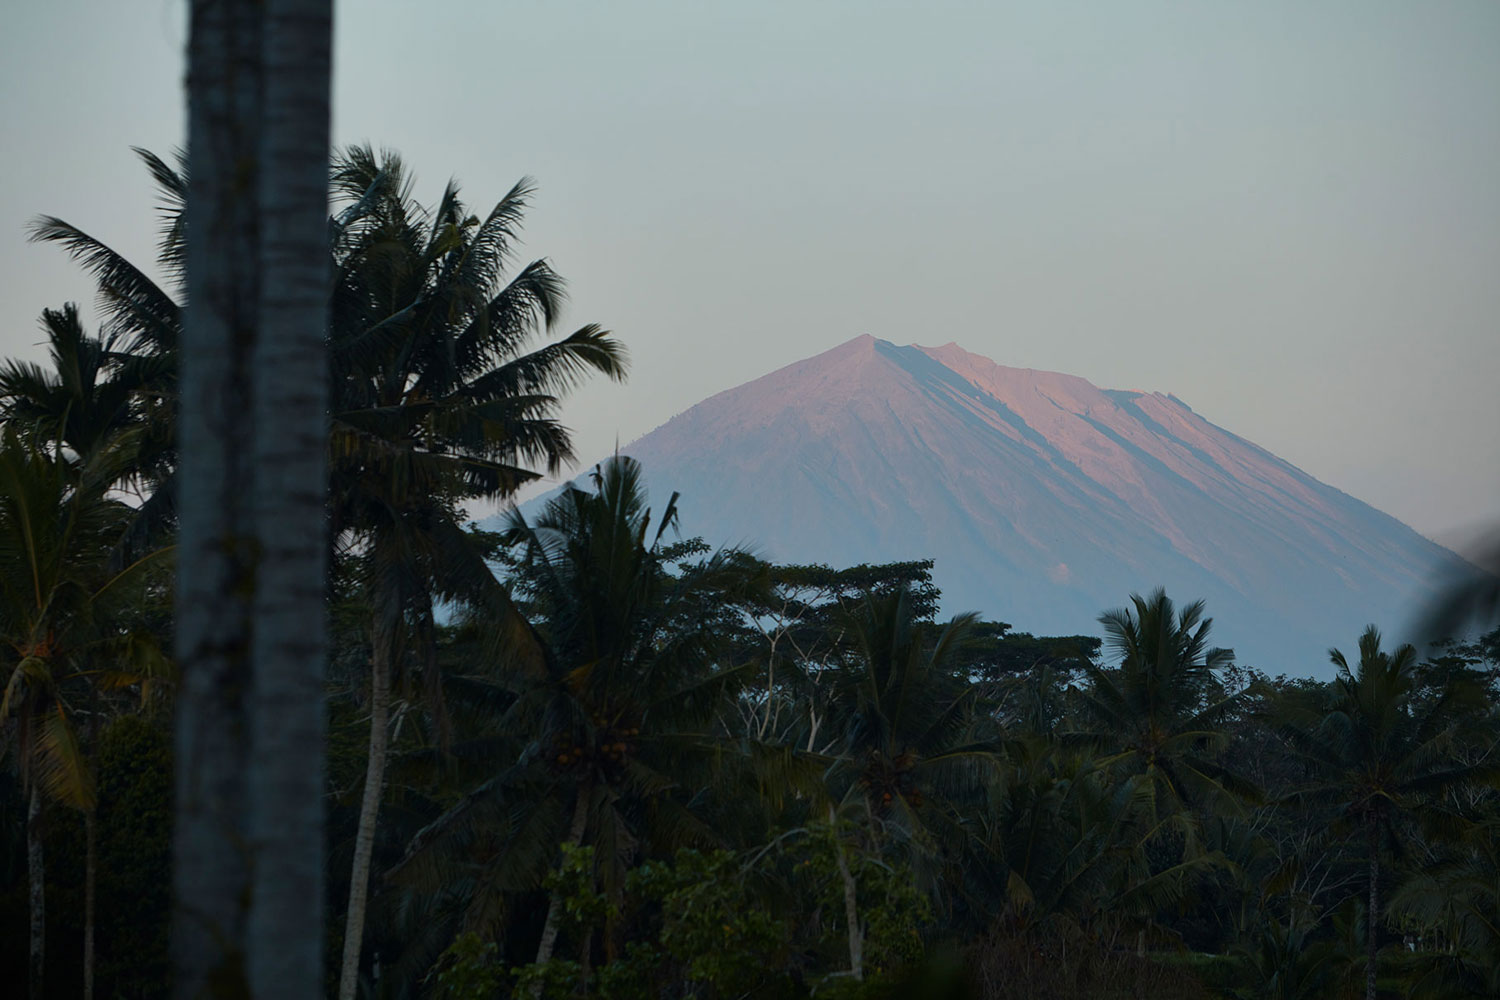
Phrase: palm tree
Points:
(87, 399)
(911, 748)
(437, 400)
(618, 710)
(1157, 714)
(1074, 841)
(1379, 753)
(1282, 963)
(60, 603)
(437, 397)
(95, 399)
(631, 676)
(144, 317)
(99, 396)
(1459, 898)
(126, 380)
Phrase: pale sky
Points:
(1286, 214)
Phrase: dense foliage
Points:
(588, 755)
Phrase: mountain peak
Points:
(1043, 498)
(863, 344)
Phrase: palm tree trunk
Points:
(554, 906)
(586, 961)
(36, 875)
(252, 440)
(215, 545)
(851, 907)
(364, 839)
(90, 854)
(285, 932)
(90, 868)
(1372, 835)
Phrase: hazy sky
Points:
(1286, 214)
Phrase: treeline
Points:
(588, 755)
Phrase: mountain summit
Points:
(1043, 499)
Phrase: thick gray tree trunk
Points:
(36, 882)
(247, 918)
(216, 544)
(285, 943)
(381, 651)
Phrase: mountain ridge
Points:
(1043, 498)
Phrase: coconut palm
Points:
(146, 317)
(911, 753)
(91, 410)
(127, 377)
(61, 603)
(618, 712)
(439, 397)
(1282, 963)
(97, 395)
(1158, 713)
(1074, 841)
(632, 678)
(433, 363)
(1380, 753)
(1458, 896)
(439, 394)
(85, 401)
(141, 332)
(909, 741)
(87, 410)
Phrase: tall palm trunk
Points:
(215, 548)
(252, 442)
(35, 875)
(554, 906)
(90, 869)
(1372, 836)
(586, 961)
(285, 931)
(851, 903)
(90, 856)
(364, 839)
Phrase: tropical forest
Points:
(581, 753)
(314, 682)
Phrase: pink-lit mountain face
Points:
(1043, 499)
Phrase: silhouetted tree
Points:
(251, 481)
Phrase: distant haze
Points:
(1286, 214)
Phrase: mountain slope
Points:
(1043, 499)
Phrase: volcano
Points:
(1043, 499)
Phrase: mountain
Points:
(1043, 499)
